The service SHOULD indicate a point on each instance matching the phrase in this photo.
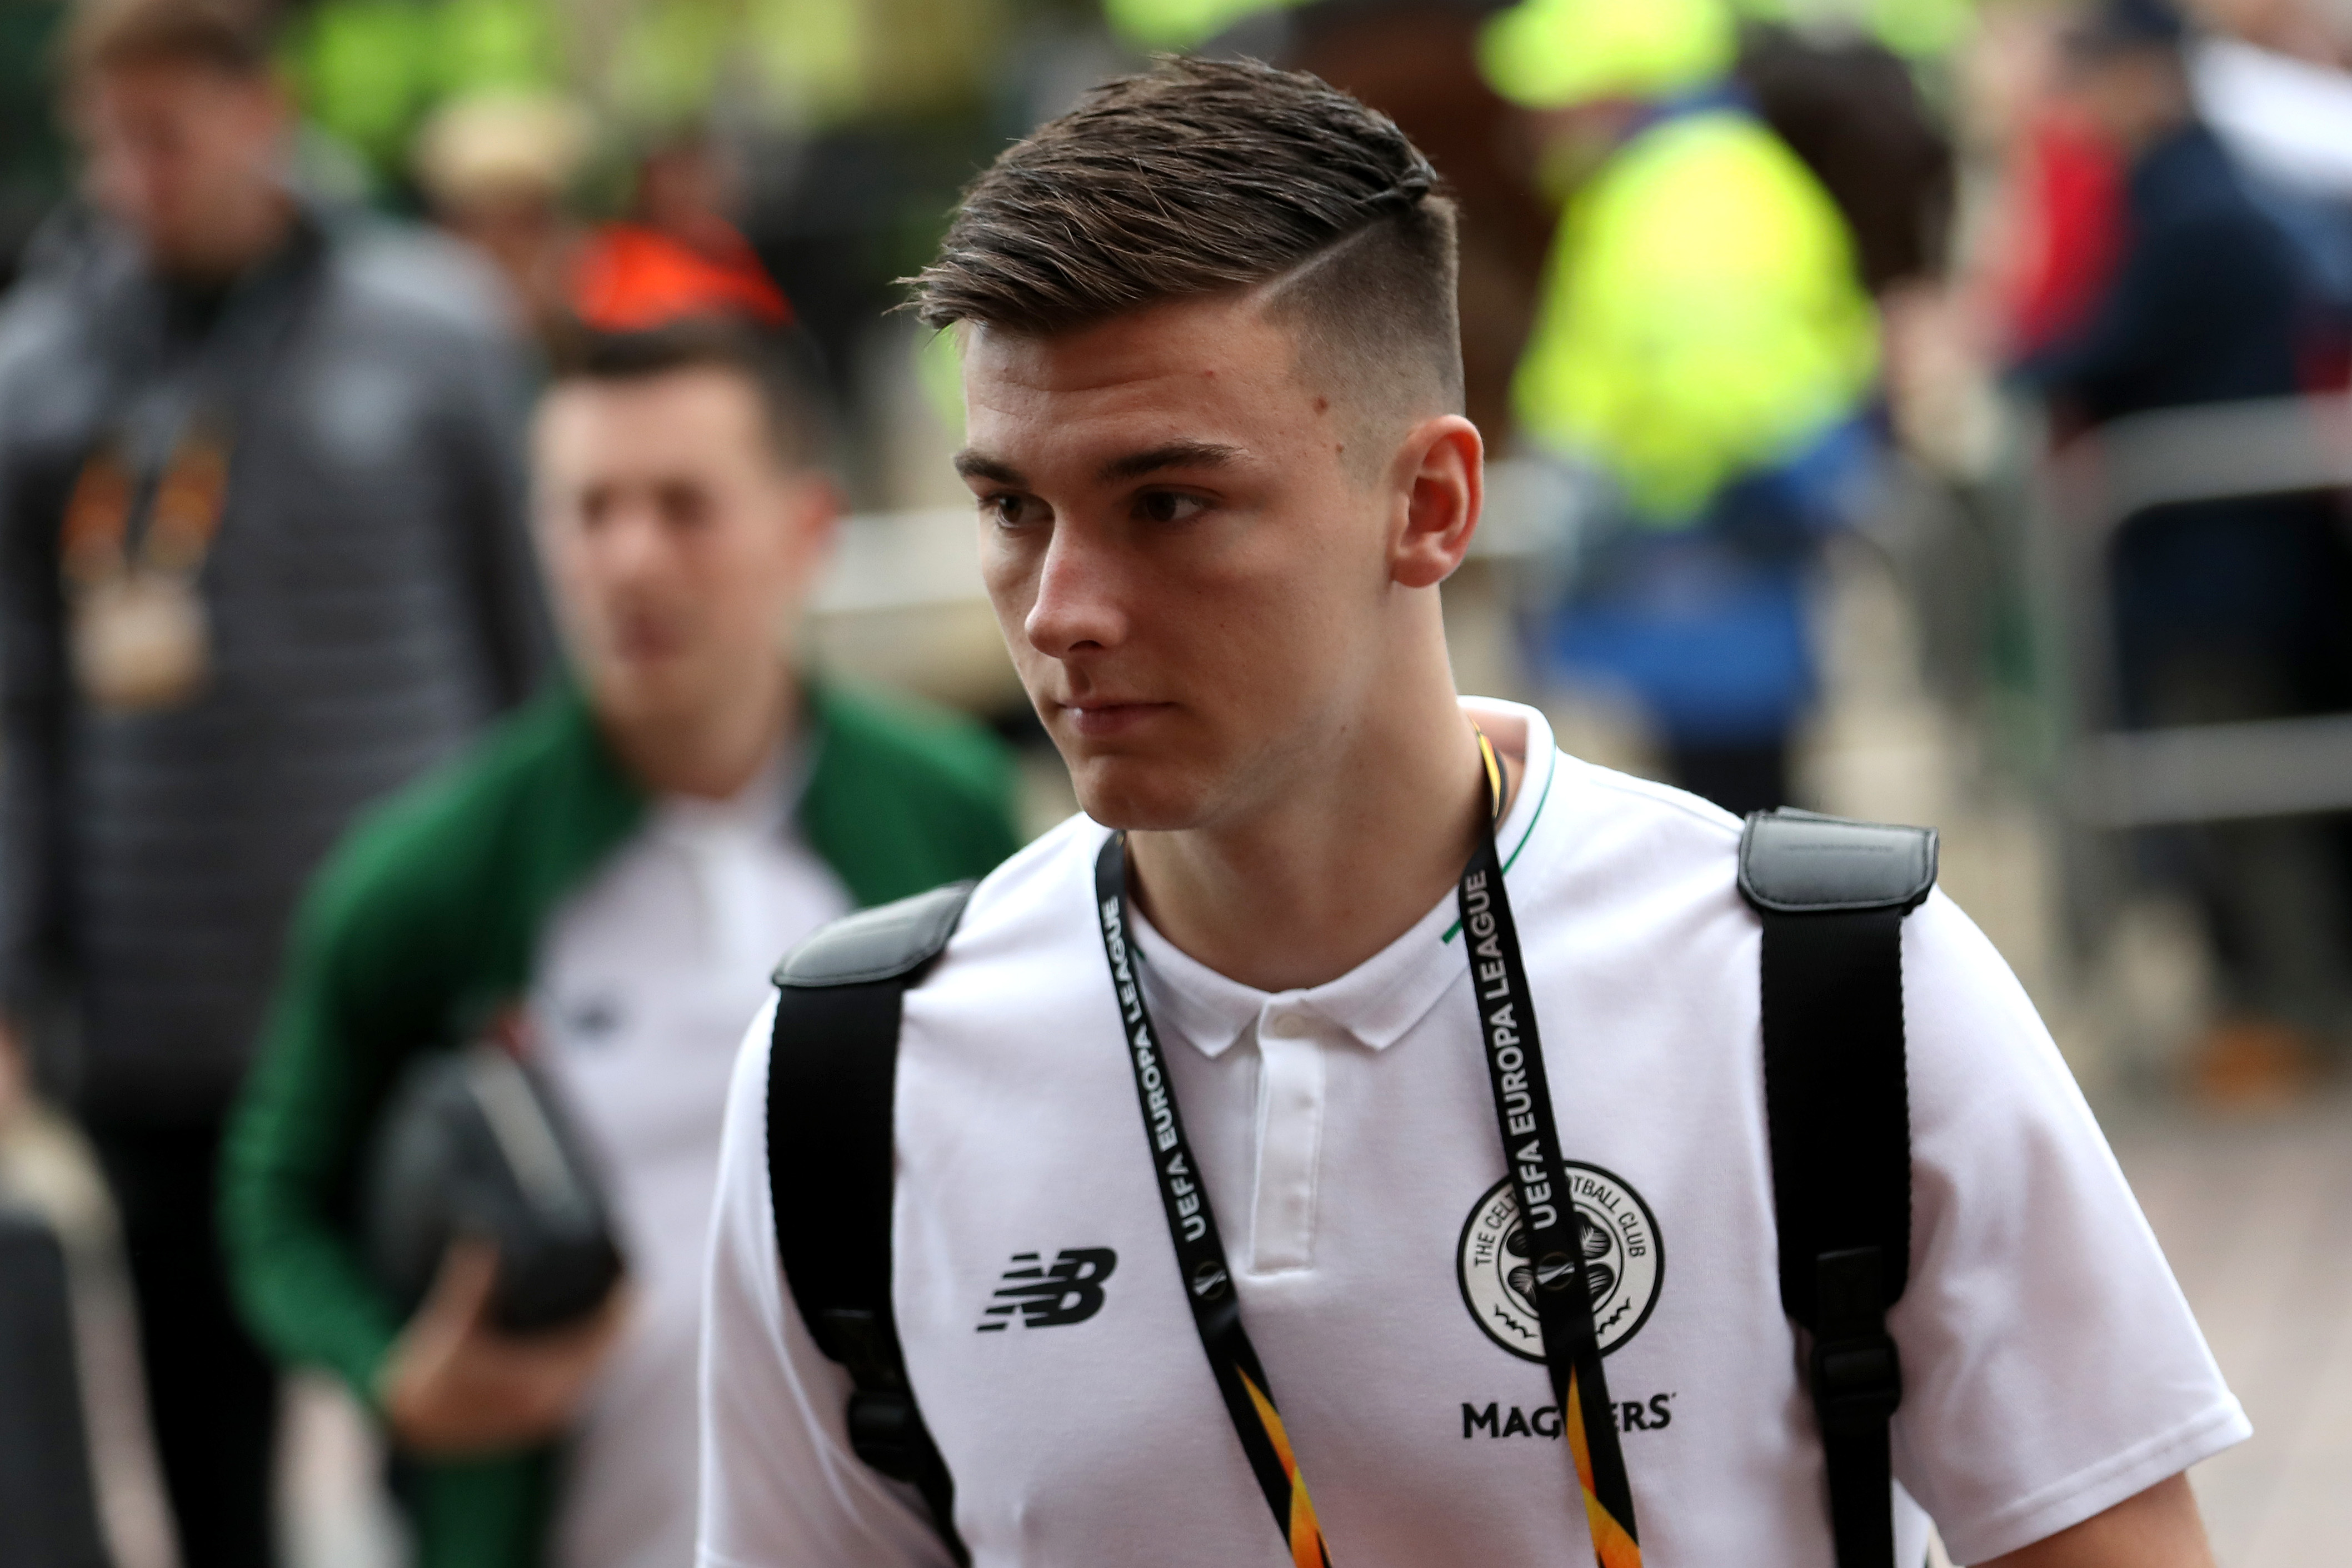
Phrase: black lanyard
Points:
(1192, 1225)
(1531, 1144)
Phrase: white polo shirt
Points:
(643, 976)
(1347, 1138)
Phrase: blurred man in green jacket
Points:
(618, 867)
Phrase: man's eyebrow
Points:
(974, 464)
(1170, 455)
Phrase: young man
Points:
(624, 861)
(1211, 375)
(262, 558)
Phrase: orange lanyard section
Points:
(185, 518)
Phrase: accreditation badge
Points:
(141, 641)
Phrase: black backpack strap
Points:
(832, 1076)
(1831, 896)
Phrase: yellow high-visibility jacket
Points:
(1180, 23)
(1702, 318)
(370, 70)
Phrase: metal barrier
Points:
(2110, 778)
(2117, 778)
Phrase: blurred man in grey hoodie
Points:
(261, 559)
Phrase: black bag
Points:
(1831, 896)
(476, 1143)
(49, 1509)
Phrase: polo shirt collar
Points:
(763, 808)
(1377, 1002)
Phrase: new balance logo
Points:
(1068, 1291)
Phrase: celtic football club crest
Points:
(1624, 1263)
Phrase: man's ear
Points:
(815, 503)
(1441, 467)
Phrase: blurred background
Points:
(1921, 410)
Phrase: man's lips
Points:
(1099, 720)
(643, 639)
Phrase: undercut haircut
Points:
(1204, 177)
(236, 38)
(792, 414)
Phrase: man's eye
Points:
(1169, 506)
(1010, 510)
(685, 506)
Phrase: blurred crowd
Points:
(422, 423)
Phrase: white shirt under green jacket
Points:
(637, 1000)
(1346, 1135)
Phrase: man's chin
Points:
(648, 693)
(1137, 795)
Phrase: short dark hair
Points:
(1198, 177)
(798, 429)
(238, 36)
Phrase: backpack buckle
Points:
(1857, 1371)
(1857, 1384)
(863, 1341)
(886, 1425)
(885, 1431)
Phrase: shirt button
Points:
(1287, 1027)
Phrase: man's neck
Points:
(711, 753)
(1353, 852)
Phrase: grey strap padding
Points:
(879, 944)
(1800, 862)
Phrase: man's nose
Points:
(120, 183)
(633, 544)
(1079, 604)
